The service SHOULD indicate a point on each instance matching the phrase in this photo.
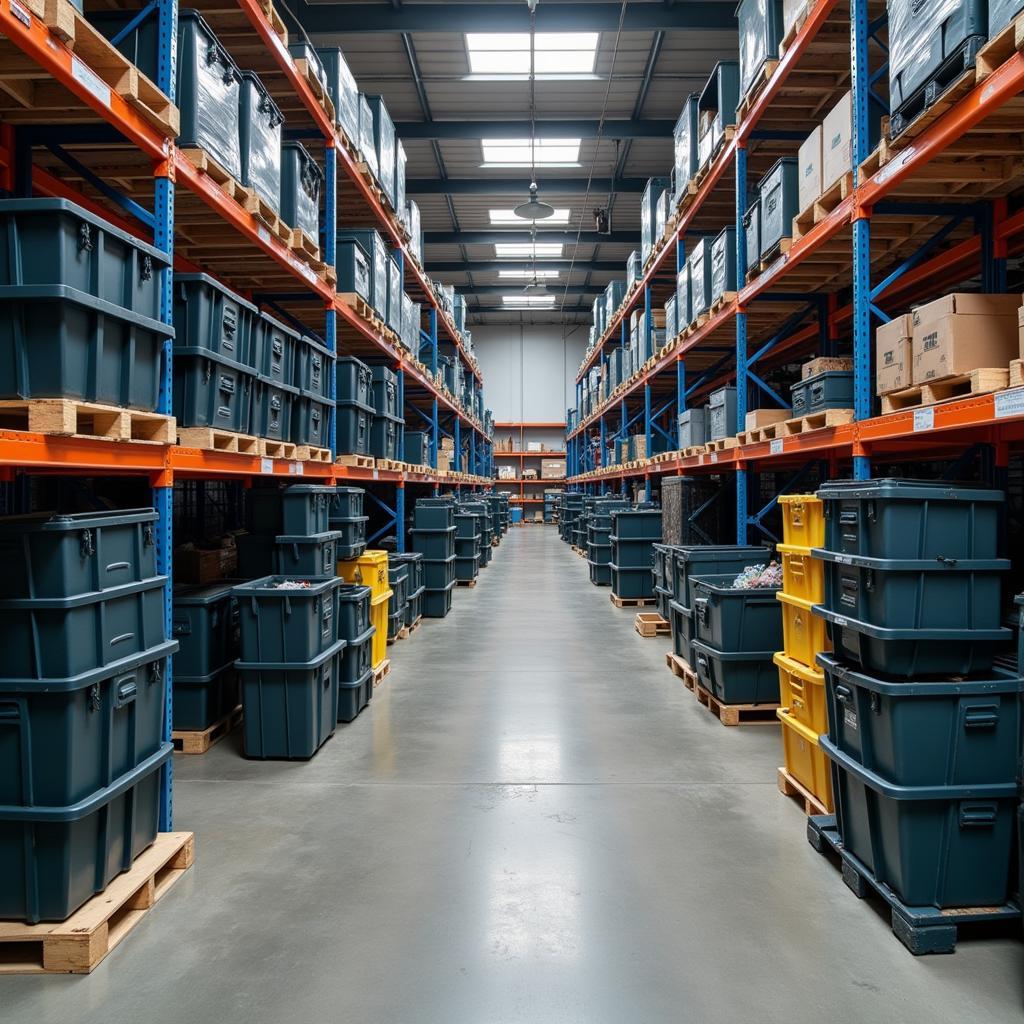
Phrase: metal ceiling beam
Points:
(515, 186)
(515, 287)
(548, 128)
(695, 16)
(554, 315)
(491, 265)
(491, 237)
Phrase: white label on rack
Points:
(924, 419)
(896, 165)
(1009, 403)
(375, 476)
(86, 76)
(266, 465)
(263, 234)
(295, 468)
(775, 447)
(21, 14)
(714, 456)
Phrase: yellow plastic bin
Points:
(803, 632)
(805, 760)
(371, 570)
(802, 575)
(803, 521)
(802, 692)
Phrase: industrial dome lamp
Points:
(534, 209)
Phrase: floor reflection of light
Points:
(537, 759)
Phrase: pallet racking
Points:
(79, 121)
(918, 216)
(521, 493)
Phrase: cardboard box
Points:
(825, 363)
(962, 332)
(552, 469)
(444, 461)
(529, 474)
(893, 359)
(506, 472)
(809, 169)
(837, 143)
(534, 446)
(765, 417)
(197, 565)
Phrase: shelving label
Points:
(266, 465)
(21, 14)
(262, 233)
(297, 469)
(924, 419)
(1009, 403)
(714, 456)
(85, 75)
(775, 447)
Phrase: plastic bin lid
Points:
(914, 564)
(907, 490)
(346, 360)
(352, 592)
(267, 318)
(72, 296)
(271, 383)
(270, 586)
(999, 681)
(201, 352)
(732, 655)
(308, 538)
(57, 522)
(212, 282)
(38, 604)
(950, 636)
(292, 666)
(204, 593)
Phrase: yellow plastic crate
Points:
(802, 575)
(803, 521)
(803, 632)
(804, 758)
(370, 569)
(802, 691)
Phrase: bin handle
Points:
(977, 815)
(126, 689)
(182, 628)
(702, 661)
(981, 716)
(843, 693)
(948, 562)
(10, 711)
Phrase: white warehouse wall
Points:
(529, 371)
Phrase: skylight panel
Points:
(528, 275)
(555, 53)
(506, 217)
(528, 300)
(528, 250)
(516, 152)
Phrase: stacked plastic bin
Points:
(353, 406)
(387, 417)
(414, 586)
(83, 699)
(801, 680)
(633, 536)
(370, 569)
(346, 517)
(468, 538)
(433, 536)
(486, 532)
(690, 561)
(572, 505)
(923, 728)
(599, 547)
(663, 556)
(290, 664)
(289, 532)
(398, 580)
(205, 624)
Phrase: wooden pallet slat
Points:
(1000, 48)
(792, 787)
(67, 417)
(213, 440)
(681, 670)
(649, 624)
(627, 602)
(815, 421)
(981, 381)
(737, 714)
(199, 741)
(381, 672)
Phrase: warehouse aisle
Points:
(533, 822)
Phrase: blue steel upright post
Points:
(330, 257)
(741, 340)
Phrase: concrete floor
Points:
(532, 822)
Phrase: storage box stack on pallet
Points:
(345, 517)
(387, 419)
(468, 538)
(354, 406)
(801, 680)
(433, 536)
(87, 745)
(634, 532)
(599, 545)
(923, 725)
(487, 535)
(398, 581)
(370, 569)
(414, 586)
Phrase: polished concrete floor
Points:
(533, 822)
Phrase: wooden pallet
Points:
(276, 449)
(1016, 373)
(79, 944)
(256, 205)
(721, 445)
(630, 602)
(186, 742)
(777, 251)
(213, 440)
(355, 461)
(998, 50)
(760, 81)
(737, 714)
(367, 312)
(67, 417)
(202, 161)
(304, 246)
(465, 583)
(794, 30)
(106, 66)
(815, 421)
(315, 85)
(381, 672)
(651, 624)
(978, 382)
(276, 22)
(681, 670)
(766, 433)
(409, 630)
(309, 453)
(789, 786)
(725, 299)
(823, 206)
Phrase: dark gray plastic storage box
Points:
(202, 701)
(209, 316)
(283, 618)
(699, 264)
(631, 581)
(384, 388)
(384, 144)
(384, 432)
(344, 93)
(353, 428)
(259, 126)
(761, 31)
(354, 382)
(276, 350)
(685, 146)
(302, 183)
(438, 572)
(346, 504)
(437, 544)
(729, 619)
(417, 448)
(357, 658)
(314, 368)
(692, 560)
(311, 422)
(377, 255)
(692, 429)
(752, 235)
(780, 203)
(736, 677)
(272, 409)
(434, 514)
(204, 622)
(300, 508)
(313, 555)
(721, 411)
(832, 389)
(436, 604)
(353, 269)
(716, 108)
(723, 263)
(353, 697)
(210, 391)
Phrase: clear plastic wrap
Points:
(367, 145)
(260, 124)
(344, 92)
(302, 183)
(685, 144)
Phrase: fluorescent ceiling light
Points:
(528, 300)
(516, 152)
(555, 53)
(528, 250)
(503, 217)
(529, 275)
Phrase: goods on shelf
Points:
(716, 109)
(685, 146)
(634, 532)
(809, 170)
(649, 216)
(699, 262)
(366, 143)
(377, 253)
(259, 135)
(384, 146)
(832, 389)
(302, 182)
(752, 235)
(344, 93)
(468, 541)
(723, 264)
(398, 581)
(761, 31)
(415, 586)
(370, 569)
(721, 415)
(779, 205)
(552, 469)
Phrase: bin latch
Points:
(126, 692)
(86, 547)
(148, 537)
(85, 238)
(94, 697)
(147, 267)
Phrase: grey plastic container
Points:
(384, 144)
(436, 604)
(934, 846)
(204, 622)
(356, 659)
(780, 203)
(65, 740)
(434, 515)
(888, 518)
(57, 242)
(433, 544)
(377, 255)
(1001, 13)
(60, 637)
(352, 540)
(414, 606)
(314, 368)
(59, 342)
(209, 316)
(722, 414)
(313, 555)
(733, 620)
(272, 409)
(631, 581)
(353, 697)
(384, 431)
(353, 604)
(366, 145)
(691, 426)
(55, 858)
(311, 421)
(761, 30)
(752, 235)
(736, 677)
(632, 554)
(716, 108)
(346, 503)
(290, 709)
(832, 389)
(723, 263)
(417, 448)
(353, 268)
(202, 701)
(384, 390)
(685, 146)
(49, 554)
(353, 428)
(395, 296)
(211, 391)
(276, 350)
(354, 382)
(438, 572)
(699, 265)
(259, 129)
(344, 93)
(636, 524)
(683, 630)
(302, 184)
(949, 732)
